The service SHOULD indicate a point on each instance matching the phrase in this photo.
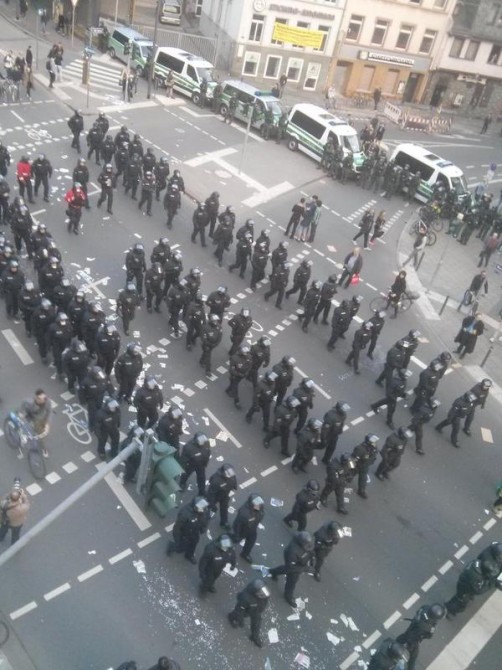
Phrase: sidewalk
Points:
(443, 276)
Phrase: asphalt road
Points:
(80, 584)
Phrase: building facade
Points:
(467, 73)
(247, 48)
(389, 44)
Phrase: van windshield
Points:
(351, 142)
(146, 52)
(275, 107)
(459, 185)
(205, 73)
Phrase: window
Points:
(312, 76)
(366, 80)
(198, 8)
(294, 70)
(285, 23)
(494, 14)
(456, 47)
(472, 51)
(301, 24)
(403, 39)
(273, 67)
(308, 124)
(390, 81)
(427, 42)
(354, 27)
(415, 2)
(256, 28)
(169, 62)
(191, 73)
(494, 56)
(440, 4)
(379, 32)
(251, 61)
(325, 30)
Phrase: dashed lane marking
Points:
(120, 556)
(248, 482)
(445, 567)
(392, 619)
(490, 523)
(148, 540)
(57, 591)
(371, 639)
(23, 610)
(52, 477)
(476, 537)
(349, 660)
(18, 348)
(268, 471)
(90, 573)
(411, 601)
(429, 583)
(463, 550)
(316, 386)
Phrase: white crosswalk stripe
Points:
(102, 76)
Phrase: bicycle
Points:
(470, 299)
(19, 435)
(4, 633)
(10, 91)
(431, 235)
(430, 215)
(382, 303)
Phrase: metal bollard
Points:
(420, 261)
(444, 305)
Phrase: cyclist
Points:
(37, 412)
(478, 284)
(396, 291)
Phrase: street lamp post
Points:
(154, 50)
(37, 25)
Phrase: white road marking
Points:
(468, 643)
(371, 639)
(120, 556)
(222, 427)
(445, 567)
(392, 619)
(316, 386)
(148, 540)
(489, 524)
(90, 573)
(268, 194)
(70, 467)
(429, 583)
(210, 156)
(17, 116)
(23, 610)
(57, 591)
(463, 550)
(359, 419)
(52, 477)
(411, 601)
(169, 528)
(186, 109)
(476, 537)
(126, 501)
(33, 489)
(19, 350)
(487, 436)
(130, 105)
(418, 362)
(349, 660)
(247, 483)
(268, 471)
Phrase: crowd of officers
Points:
(86, 348)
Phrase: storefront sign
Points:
(285, 9)
(386, 58)
(302, 37)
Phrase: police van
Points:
(433, 170)
(188, 71)
(247, 96)
(170, 12)
(310, 127)
(127, 44)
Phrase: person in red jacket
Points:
(23, 174)
(75, 199)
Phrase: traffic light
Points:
(163, 486)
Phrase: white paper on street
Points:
(273, 637)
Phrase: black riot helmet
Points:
(312, 485)
(200, 504)
(304, 539)
(259, 589)
(333, 528)
(436, 612)
(201, 439)
(227, 470)
(225, 542)
(398, 652)
(342, 407)
(256, 501)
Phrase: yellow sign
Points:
(302, 37)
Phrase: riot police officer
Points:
(59, 335)
(42, 170)
(377, 323)
(239, 325)
(92, 320)
(176, 299)
(421, 627)
(11, 284)
(213, 207)
(260, 357)
(422, 415)
(215, 556)
(259, 262)
(132, 173)
(194, 458)
(365, 455)
(339, 473)
(148, 186)
(242, 254)
(481, 390)
(392, 452)
(332, 428)
(263, 396)
(154, 278)
(328, 291)
(218, 301)
(107, 347)
(148, 400)
(284, 370)
(76, 309)
(395, 361)
(222, 484)
(107, 182)
(29, 300)
(459, 410)
(325, 538)
(92, 391)
(278, 282)
(427, 385)
(195, 319)
(136, 265)
(200, 220)
(298, 556)
(300, 279)
(284, 416)
(211, 335)
(108, 428)
(310, 303)
(76, 359)
(305, 393)
(172, 270)
(389, 656)
(394, 390)
(41, 319)
(339, 323)
(308, 440)
(306, 501)
(170, 427)
(361, 338)
(251, 602)
(245, 526)
(161, 252)
(161, 173)
(94, 142)
(127, 301)
(223, 238)
(192, 522)
(240, 366)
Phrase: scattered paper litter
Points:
(359, 649)
(93, 551)
(140, 567)
(300, 604)
(275, 502)
(347, 531)
(273, 637)
(333, 639)
(345, 620)
(206, 420)
(177, 387)
(293, 617)
(267, 665)
(334, 621)
(222, 436)
(308, 615)
(197, 622)
(220, 458)
(229, 571)
(302, 659)
(262, 568)
(356, 579)
(352, 625)
(261, 526)
(212, 442)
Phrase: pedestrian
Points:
(216, 555)
(194, 458)
(479, 282)
(297, 213)
(459, 410)
(307, 500)
(392, 452)
(251, 602)
(14, 511)
(58, 65)
(169, 83)
(486, 124)
(230, 109)
(481, 390)
(51, 69)
(24, 175)
(315, 221)
(390, 655)
(246, 524)
(364, 455)
(192, 522)
(361, 338)
(365, 227)
(222, 484)
(421, 627)
(377, 95)
(283, 80)
(418, 245)
(352, 266)
(378, 228)
(497, 504)
(308, 217)
(298, 557)
(490, 245)
(325, 538)
(472, 328)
